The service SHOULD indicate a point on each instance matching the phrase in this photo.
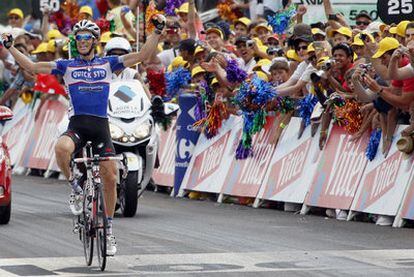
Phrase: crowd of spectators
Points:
(358, 76)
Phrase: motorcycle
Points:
(135, 136)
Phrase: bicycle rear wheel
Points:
(87, 231)
(101, 223)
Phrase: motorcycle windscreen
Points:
(127, 99)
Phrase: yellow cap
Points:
(343, 31)
(42, 48)
(215, 30)
(262, 76)
(401, 28)
(17, 12)
(393, 30)
(105, 37)
(53, 34)
(311, 48)
(177, 62)
(214, 81)
(358, 41)
(262, 62)
(322, 60)
(199, 49)
(196, 70)
(317, 31)
(182, 9)
(51, 46)
(291, 54)
(243, 20)
(86, 9)
(265, 26)
(386, 44)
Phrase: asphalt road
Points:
(181, 237)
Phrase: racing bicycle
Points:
(92, 223)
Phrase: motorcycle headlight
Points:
(116, 132)
(143, 130)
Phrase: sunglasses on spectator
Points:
(83, 37)
(301, 48)
(14, 17)
(366, 23)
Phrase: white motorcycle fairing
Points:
(127, 99)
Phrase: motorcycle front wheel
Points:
(129, 195)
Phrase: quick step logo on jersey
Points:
(95, 74)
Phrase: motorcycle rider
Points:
(87, 78)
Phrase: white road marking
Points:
(122, 265)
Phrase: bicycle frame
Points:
(93, 194)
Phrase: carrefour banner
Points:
(186, 137)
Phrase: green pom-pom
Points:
(72, 46)
(112, 26)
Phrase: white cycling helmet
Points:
(86, 25)
(118, 43)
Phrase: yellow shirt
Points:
(115, 14)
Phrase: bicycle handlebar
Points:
(97, 159)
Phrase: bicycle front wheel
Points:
(101, 222)
(87, 232)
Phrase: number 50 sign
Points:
(394, 11)
(52, 5)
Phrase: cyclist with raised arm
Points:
(87, 78)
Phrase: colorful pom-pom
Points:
(373, 144)
(234, 73)
(305, 108)
(176, 80)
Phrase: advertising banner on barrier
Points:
(39, 147)
(245, 177)
(164, 174)
(212, 158)
(15, 133)
(407, 206)
(293, 165)
(186, 138)
(340, 170)
(383, 184)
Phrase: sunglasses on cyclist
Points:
(14, 17)
(83, 37)
(365, 23)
